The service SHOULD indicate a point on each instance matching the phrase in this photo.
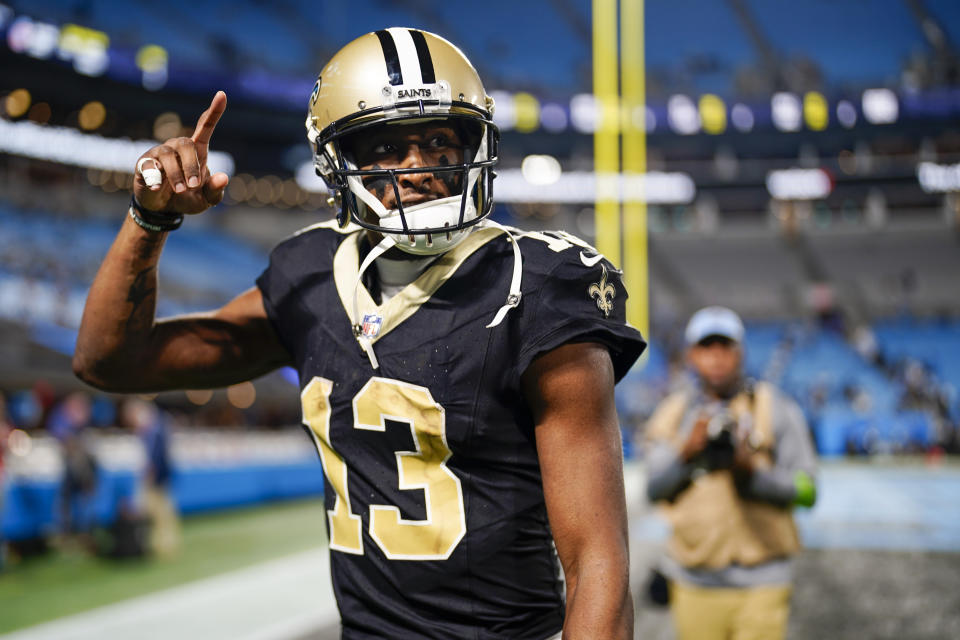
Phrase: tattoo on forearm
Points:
(141, 290)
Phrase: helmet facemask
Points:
(422, 228)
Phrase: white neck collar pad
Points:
(394, 274)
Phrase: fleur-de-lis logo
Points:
(603, 292)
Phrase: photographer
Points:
(728, 460)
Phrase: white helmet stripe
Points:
(407, 51)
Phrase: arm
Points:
(570, 393)
(791, 480)
(120, 345)
(667, 473)
(670, 471)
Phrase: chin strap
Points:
(366, 343)
(513, 298)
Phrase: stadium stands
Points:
(854, 405)
(934, 343)
(837, 39)
(947, 16)
(204, 266)
(730, 245)
(701, 52)
(708, 47)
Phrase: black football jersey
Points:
(435, 506)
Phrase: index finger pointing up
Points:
(208, 121)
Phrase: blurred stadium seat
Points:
(878, 249)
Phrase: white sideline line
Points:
(275, 600)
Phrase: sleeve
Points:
(577, 302)
(279, 297)
(667, 474)
(792, 478)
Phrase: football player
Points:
(456, 376)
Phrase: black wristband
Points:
(156, 221)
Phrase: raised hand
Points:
(185, 184)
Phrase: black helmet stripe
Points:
(427, 74)
(391, 57)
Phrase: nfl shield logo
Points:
(371, 325)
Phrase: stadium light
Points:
(682, 115)
(527, 110)
(242, 395)
(571, 187)
(815, 111)
(938, 178)
(846, 114)
(19, 443)
(92, 115)
(660, 187)
(199, 397)
(880, 106)
(70, 146)
(553, 117)
(540, 170)
(583, 112)
(649, 119)
(152, 60)
(785, 111)
(636, 117)
(17, 102)
(580, 187)
(713, 113)
(504, 113)
(308, 180)
(86, 47)
(742, 117)
(799, 184)
(33, 38)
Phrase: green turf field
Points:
(65, 582)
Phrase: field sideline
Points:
(882, 564)
(67, 582)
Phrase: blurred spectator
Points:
(25, 410)
(729, 459)
(5, 428)
(67, 423)
(103, 413)
(864, 340)
(857, 397)
(923, 392)
(152, 427)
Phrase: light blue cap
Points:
(714, 321)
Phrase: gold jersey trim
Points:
(346, 265)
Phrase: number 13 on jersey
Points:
(423, 469)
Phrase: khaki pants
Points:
(165, 524)
(758, 613)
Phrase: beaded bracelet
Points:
(155, 221)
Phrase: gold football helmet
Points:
(402, 76)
